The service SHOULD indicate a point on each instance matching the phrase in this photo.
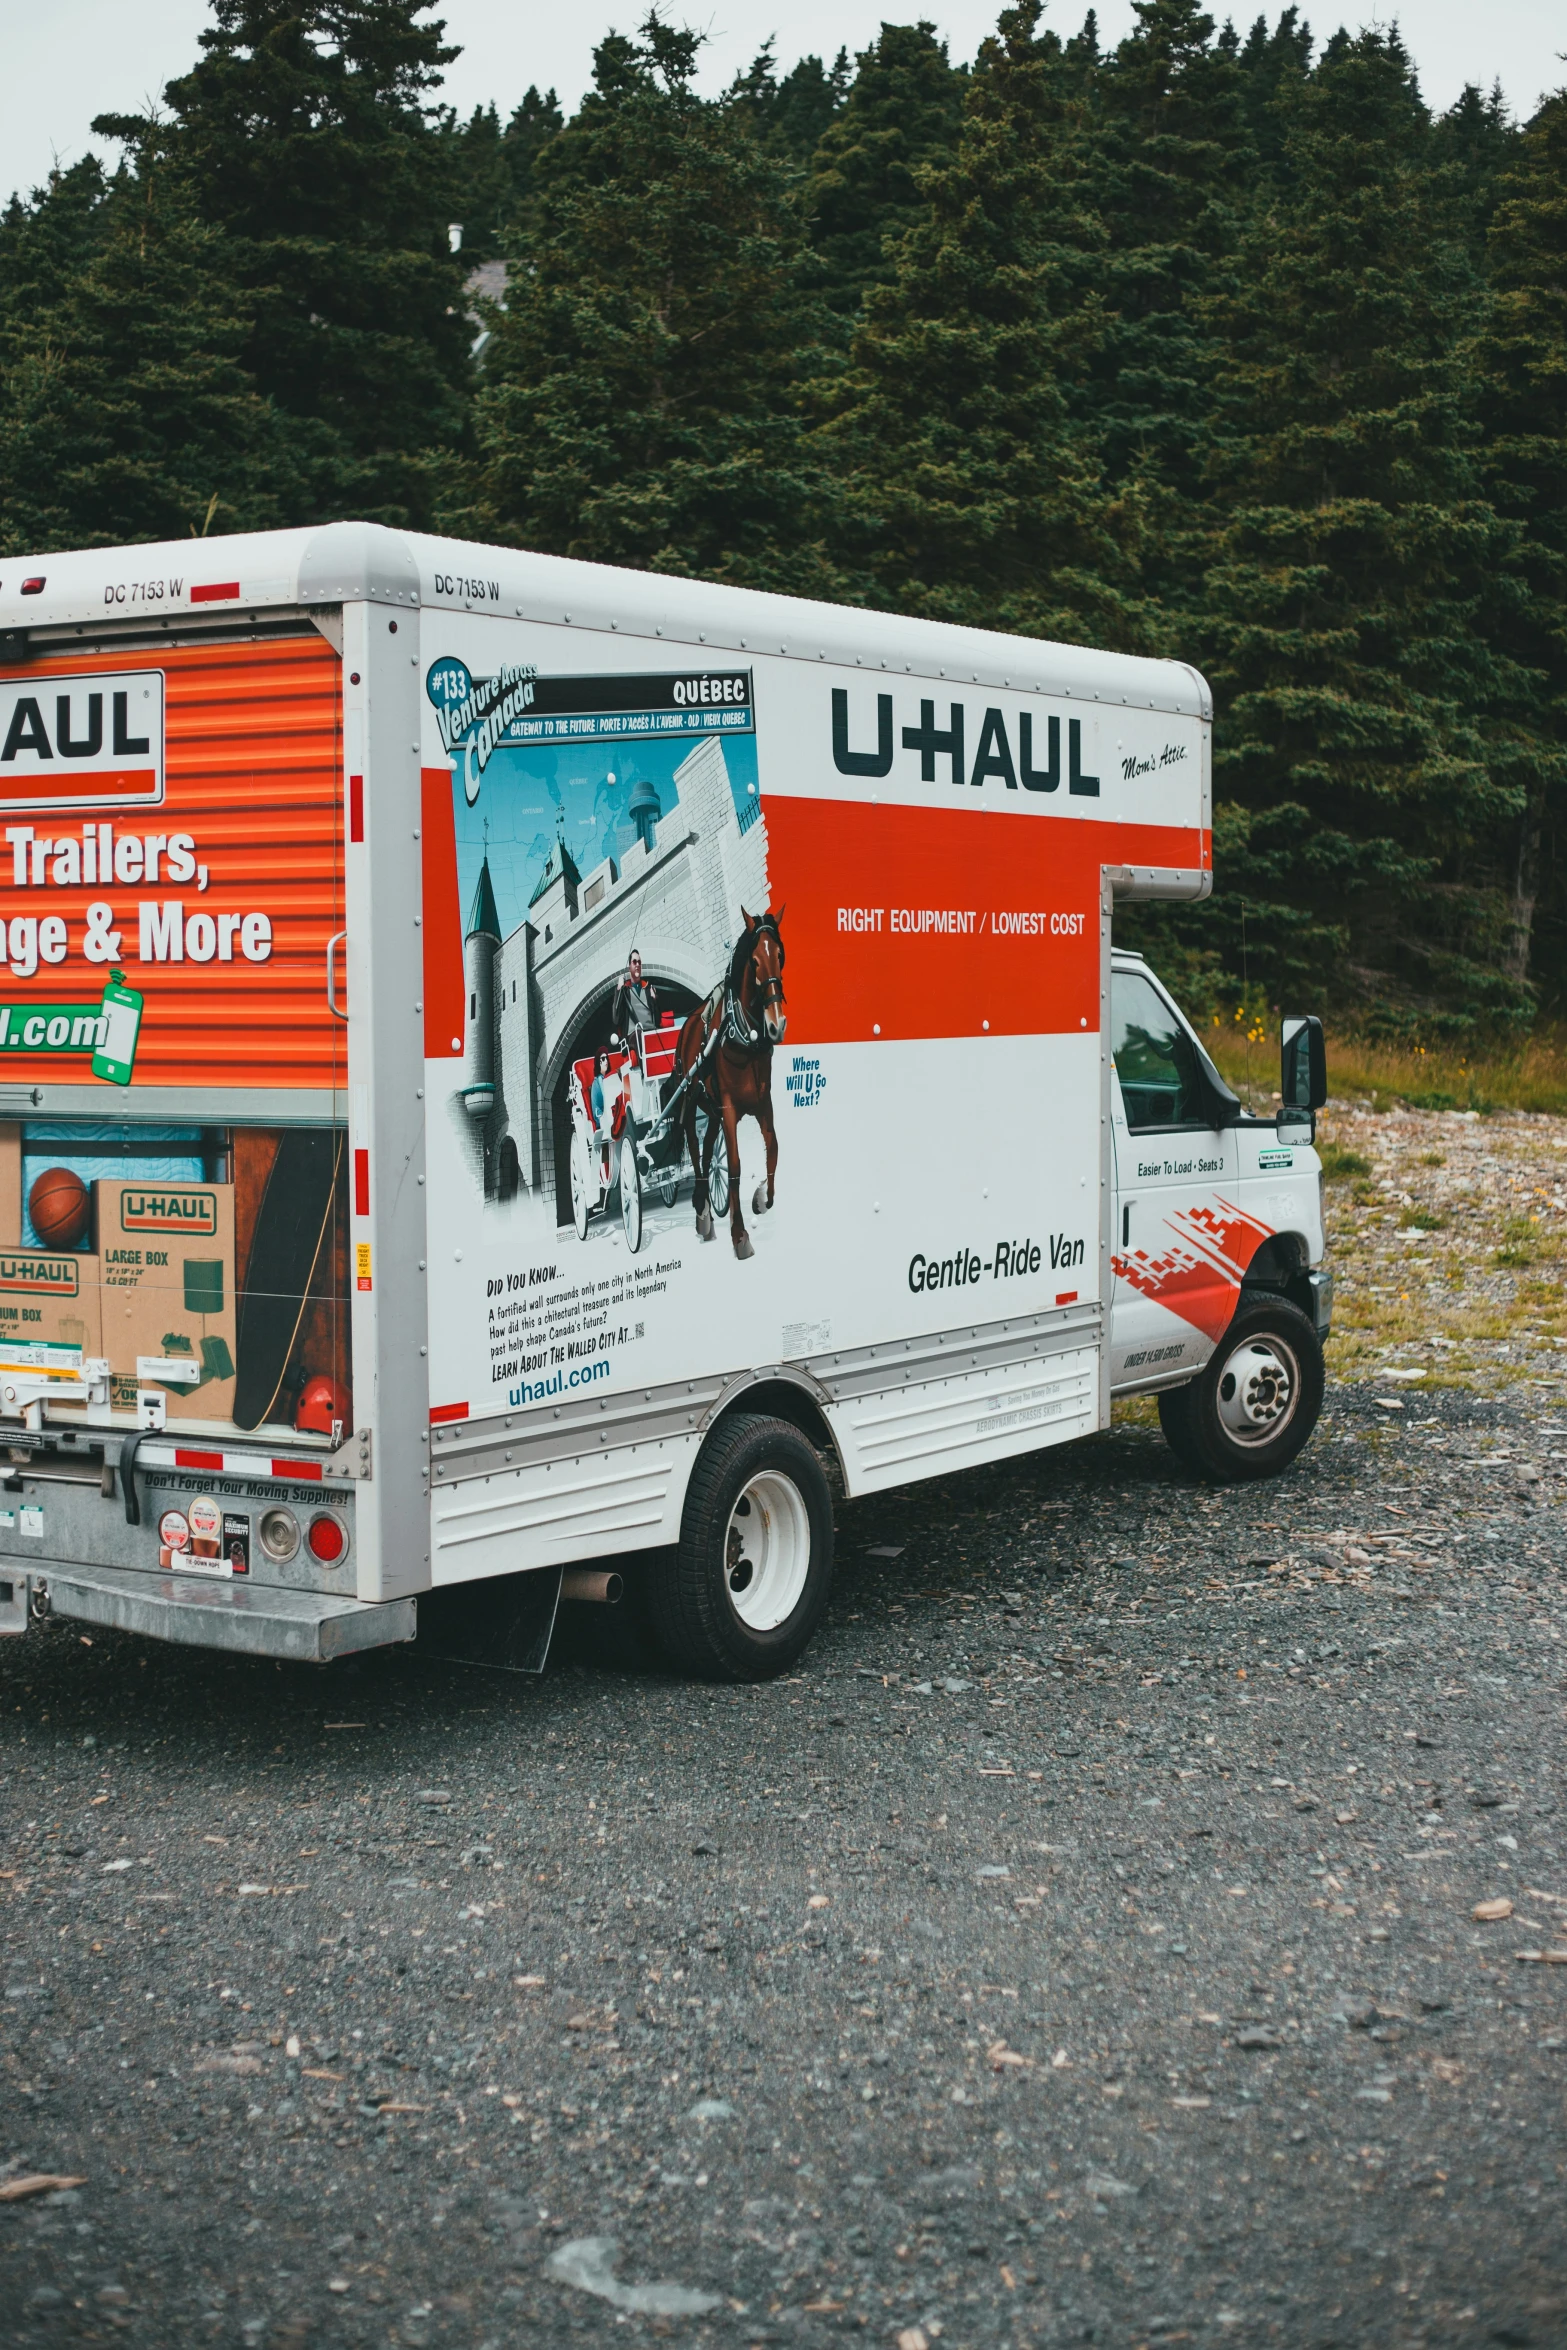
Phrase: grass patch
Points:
(1340, 1164)
(1134, 1411)
(1527, 1076)
(1524, 1244)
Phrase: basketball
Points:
(58, 1204)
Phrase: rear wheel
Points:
(1249, 1413)
(747, 1586)
(580, 1180)
(630, 1189)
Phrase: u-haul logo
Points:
(82, 742)
(38, 1276)
(168, 1211)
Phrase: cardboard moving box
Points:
(166, 1255)
(50, 1295)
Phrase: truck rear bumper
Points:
(306, 1627)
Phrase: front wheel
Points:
(746, 1587)
(1249, 1413)
(718, 1172)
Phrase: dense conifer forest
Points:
(1219, 343)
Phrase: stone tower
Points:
(481, 945)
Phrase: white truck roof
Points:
(69, 595)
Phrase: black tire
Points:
(1175, 1419)
(696, 1615)
(1249, 1417)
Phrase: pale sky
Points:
(67, 60)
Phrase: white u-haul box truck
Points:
(513, 1069)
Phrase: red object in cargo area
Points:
(326, 1539)
(323, 1406)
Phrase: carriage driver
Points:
(635, 1008)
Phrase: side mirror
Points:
(1303, 1070)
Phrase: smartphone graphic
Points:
(121, 1011)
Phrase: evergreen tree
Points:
(491, 170)
(305, 134)
(810, 98)
(1477, 138)
(1523, 355)
(790, 115)
(1169, 177)
(1203, 344)
(125, 409)
(966, 490)
(483, 205)
(640, 394)
(1267, 60)
(1361, 583)
(43, 244)
(529, 131)
(902, 112)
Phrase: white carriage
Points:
(633, 1146)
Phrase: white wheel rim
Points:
(579, 1191)
(767, 1551)
(1258, 1390)
(630, 1195)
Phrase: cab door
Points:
(1182, 1241)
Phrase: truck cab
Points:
(1220, 1299)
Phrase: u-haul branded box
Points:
(166, 1255)
(51, 1297)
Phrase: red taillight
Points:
(33, 587)
(326, 1539)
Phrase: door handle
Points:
(333, 943)
(1126, 1224)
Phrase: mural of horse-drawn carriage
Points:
(630, 1153)
(639, 1107)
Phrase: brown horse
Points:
(726, 1050)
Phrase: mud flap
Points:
(505, 1622)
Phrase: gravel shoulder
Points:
(1142, 1920)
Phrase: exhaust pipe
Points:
(598, 1584)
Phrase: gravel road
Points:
(1083, 1947)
